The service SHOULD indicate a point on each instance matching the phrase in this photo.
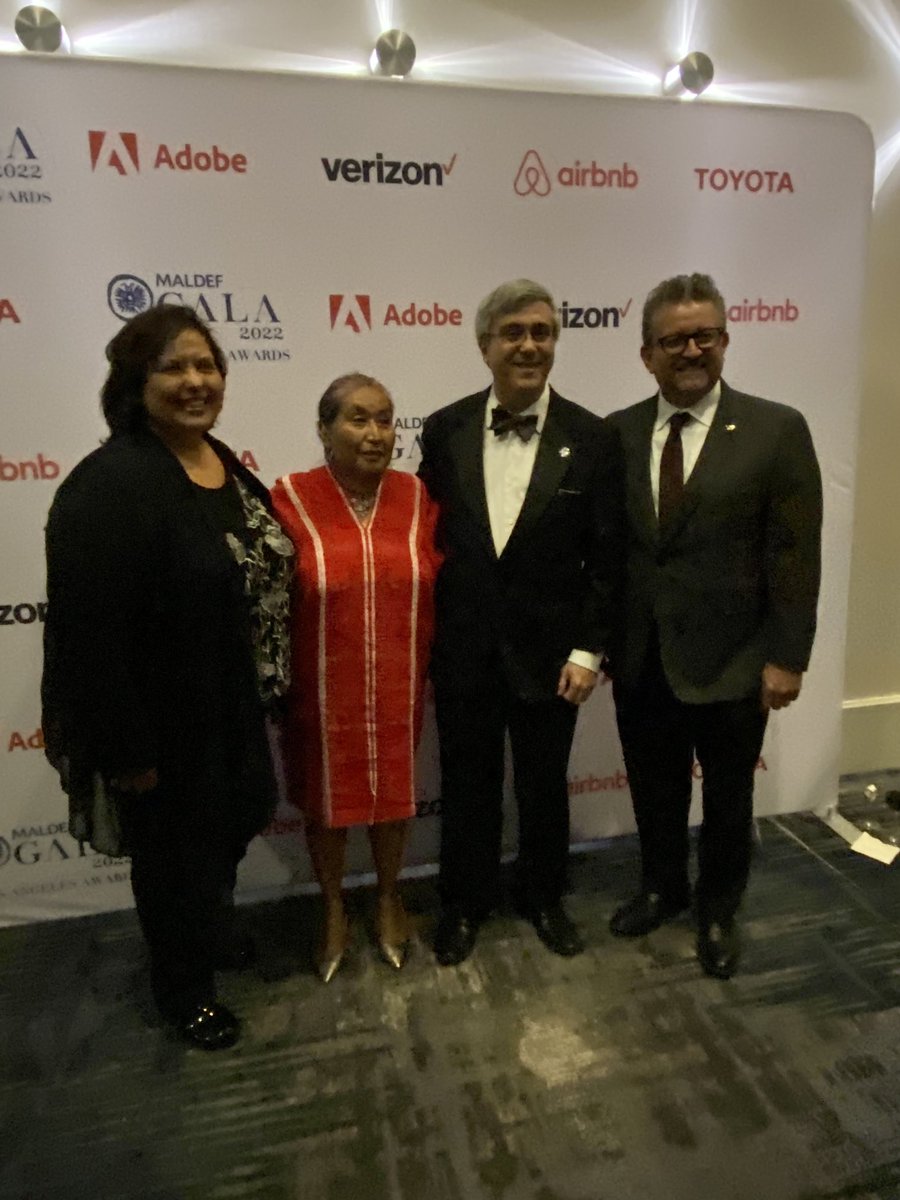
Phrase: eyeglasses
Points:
(703, 339)
(514, 334)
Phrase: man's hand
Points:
(136, 781)
(779, 686)
(576, 683)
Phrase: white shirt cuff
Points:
(584, 658)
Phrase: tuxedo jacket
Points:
(732, 582)
(553, 588)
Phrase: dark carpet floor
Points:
(624, 1074)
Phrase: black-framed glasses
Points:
(703, 339)
(515, 333)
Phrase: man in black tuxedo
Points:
(530, 488)
(724, 511)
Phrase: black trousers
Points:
(471, 731)
(660, 736)
(183, 871)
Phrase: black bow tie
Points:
(503, 422)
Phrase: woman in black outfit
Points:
(165, 645)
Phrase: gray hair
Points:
(338, 390)
(679, 289)
(510, 298)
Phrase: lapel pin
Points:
(564, 452)
(730, 428)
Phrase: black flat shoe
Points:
(644, 913)
(556, 930)
(454, 938)
(719, 948)
(210, 1026)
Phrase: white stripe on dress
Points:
(413, 635)
(369, 647)
(322, 582)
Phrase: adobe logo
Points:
(116, 150)
(8, 312)
(353, 311)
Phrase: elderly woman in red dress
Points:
(362, 629)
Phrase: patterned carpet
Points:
(624, 1074)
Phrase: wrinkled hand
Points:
(136, 781)
(779, 686)
(576, 683)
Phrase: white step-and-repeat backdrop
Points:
(325, 225)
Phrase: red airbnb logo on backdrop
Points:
(532, 178)
(119, 150)
(30, 468)
(353, 311)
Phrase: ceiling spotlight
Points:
(394, 54)
(692, 75)
(40, 29)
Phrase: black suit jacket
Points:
(554, 587)
(732, 582)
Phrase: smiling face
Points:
(687, 376)
(519, 352)
(359, 441)
(184, 390)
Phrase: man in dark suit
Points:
(724, 511)
(530, 489)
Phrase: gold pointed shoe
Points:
(395, 955)
(392, 929)
(331, 950)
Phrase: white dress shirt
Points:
(508, 464)
(693, 434)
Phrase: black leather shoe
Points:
(719, 948)
(210, 1026)
(454, 938)
(556, 930)
(644, 913)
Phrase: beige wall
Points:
(872, 685)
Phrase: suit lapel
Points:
(550, 465)
(641, 500)
(719, 442)
(467, 449)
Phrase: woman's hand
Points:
(136, 781)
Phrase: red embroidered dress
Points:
(361, 632)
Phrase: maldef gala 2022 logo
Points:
(121, 153)
(533, 178)
(21, 171)
(247, 315)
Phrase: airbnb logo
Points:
(356, 311)
(533, 178)
(119, 150)
(31, 468)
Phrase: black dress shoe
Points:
(211, 1026)
(454, 938)
(556, 930)
(719, 948)
(644, 913)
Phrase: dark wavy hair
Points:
(134, 352)
(680, 289)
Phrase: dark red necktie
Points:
(671, 468)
